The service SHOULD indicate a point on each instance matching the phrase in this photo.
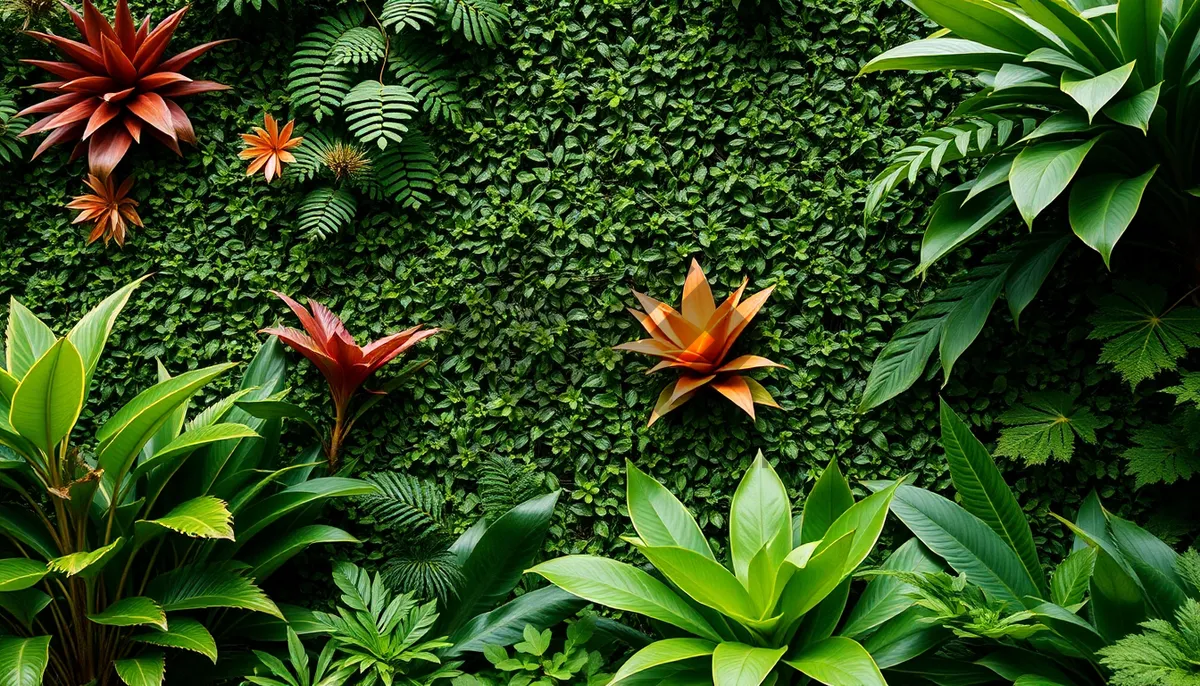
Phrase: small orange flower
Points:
(269, 148)
(698, 341)
(109, 208)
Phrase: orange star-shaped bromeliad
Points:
(697, 342)
(108, 207)
(268, 148)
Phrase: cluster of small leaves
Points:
(239, 6)
(10, 126)
(533, 664)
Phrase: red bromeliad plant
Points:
(697, 343)
(345, 364)
(116, 87)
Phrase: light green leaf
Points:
(50, 397)
(837, 661)
(658, 517)
(967, 316)
(994, 173)
(865, 520)
(988, 23)
(23, 660)
(19, 573)
(809, 584)
(1069, 583)
(1102, 206)
(737, 664)
(937, 54)
(759, 516)
(623, 587)
(1142, 336)
(1045, 426)
(1138, 27)
(203, 517)
(829, 498)
(279, 551)
(184, 633)
(92, 561)
(1135, 110)
(135, 611)
(90, 333)
(28, 339)
(661, 653)
(198, 587)
(1093, 93)
(705, 580)
(886, 596)
(190, 441)
(1041, 172)
(148, 669)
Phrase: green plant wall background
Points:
(603, 147)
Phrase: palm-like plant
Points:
(117, 548)
(770, 619)
(298, 674)
(1089, 102)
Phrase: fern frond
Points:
(1188, 566)
(10, 126)
(326, 210)
(405, 503)
(504, 484)
(479, 21)
(398, 15)
(1165, 453)
(425, 571)
(316, 81)
(377, 113)
(975, 136)
(406, 172)
(310, 154)
(1164, 654)
(421, 69)
(359, 45)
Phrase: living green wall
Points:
(604, 146)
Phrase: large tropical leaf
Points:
(837, 661)
(20, 573)
(658, 516)
(759, 517)
(1041, 172)
(50, 397)
(28, 338)
(147, 669)
(184, 633)
(282, 549)
(258, 516)
(659, 653)
(886, 596)
(704, 580)
(1102, 206)
(23, 660)
(737, 664)
(134, 611)
(203, 517)
(505, 625)
(90, 333)
(201, 586)
(829, 498)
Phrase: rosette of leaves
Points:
(119, 550)
(1077, 104)
(1044, 426)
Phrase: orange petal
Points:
(735, 388)
(665, 404)
(698, 305)
(649, 346)
(679, 330)
(690, 384)
(746, 362)
(742, 316)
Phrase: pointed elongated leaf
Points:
(19, 573)
(937, 54)
(760, 516)
(886, 596)
(90, 333)
(737, 664)
(829, 499)
(28, 530)
(1069, 583)
(1138, 27)
(1093, 93)
(1041, 172)
(87, 563)
(623, 587)
(705, 581)
(189, 441)
(1029, 270)
(658, 517)
(184, 633)
(50, 397)
(203, 517)
(1135, 110)
(904, 637)
(957, 218)
(28, 339)
(865, 519)
(985, 495)
(279, 551)
(135, 611)
(1102, 206)
(837, 661)
(198, 587)
(663, 652)
(267, 511)
(989, 23)
(148, 669)
(504, 626)
(24, 605)
(809, 584)
(23, 660)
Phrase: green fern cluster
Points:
(504, 484)
(10, 126)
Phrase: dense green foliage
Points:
(601, 146)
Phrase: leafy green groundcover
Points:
(602, 147)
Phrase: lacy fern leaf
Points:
(426, 571)
(412, 507)
(1164, 654)
(1142, 335)
(1187, 390)
(10, 126)
(326, 210)
(359, 45)
(1045, 427)
(377, 113)
(1165, 453)
(406, 171)
(421, 69)
(479, 21)
(504, 484)
(398, 15)
(316, 81)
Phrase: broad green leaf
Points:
(1044, 426)
(135, 611)
(994, 173)
(198, 587)
(1095, 92)
(50, 397)
(261, 514)
(966, 318)
(1154, 562)
(1056, 58)
(865, 520)
(503, 626)
(658, 517)
(662, 652)
(23, 660)
(18, 573)
(147, 669)
(1014, 75)
(938, 54)
(279, 551)
(1013, 664)
(90, 333)
(279, 409)
(24, 605)
(1115, 599)
(988, 23)
(704, 580)
(26, 528)
(984, 494)
(956, 219)
(123, 435)
(184, 633)
(886, 596)
(760, 515)
(8, 386)
(829, 498)
(1102, 206)
(818, 623)
(1060, 124)
(91, 562)
(1138, 27)
(623, 587)
(966, 543)
(809, 584)
(188, 442)
(1142, 336)
(1162, 453)
(1069, 583)
(902, 360)
(1135, 110)
(1069, 626)
(203, 517)
(1029, 270)
(1041, 172)
(904, 637)
(168, 430)
(837, 661)
(28, 339)
(737, 664)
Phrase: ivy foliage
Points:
(601, 147)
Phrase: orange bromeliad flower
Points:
(697, 343)
(269, 148)
(109, 207)
(345, 364)
(115, 87)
